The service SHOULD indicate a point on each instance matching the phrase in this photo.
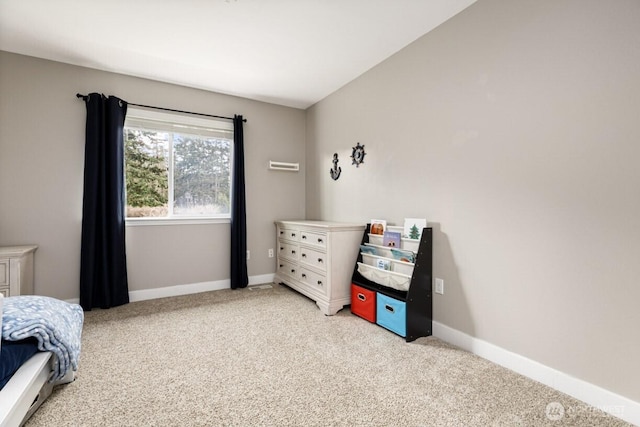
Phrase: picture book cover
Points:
(391, 239)
(383, 264)
(378, 226)
(413, 227)
(401, 255)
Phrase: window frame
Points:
(178, 120)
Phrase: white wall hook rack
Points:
(282, 166)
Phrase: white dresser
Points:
(316, 258)
(16, 270)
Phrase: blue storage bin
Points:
(391, 314)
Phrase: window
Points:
(177, 166)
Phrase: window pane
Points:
(177, 165)
(146, 160)
(201, 175)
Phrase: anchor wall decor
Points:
(335, 170)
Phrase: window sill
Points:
(135, 222)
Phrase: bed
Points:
(40, 349)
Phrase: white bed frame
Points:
(28, 388)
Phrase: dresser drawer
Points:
(288, 269)
(314, 258)
(391, 314)
(314, 280)
(311, 238)
(4, 273)
(288, 250)
(289, 234)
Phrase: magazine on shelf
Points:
(413, 228)
(378, 226)
(391, 239)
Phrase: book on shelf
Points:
(383, 264)
(413, 228)
(402, 255)
(391, 239)
(378, 226)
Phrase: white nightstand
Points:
(16, 270)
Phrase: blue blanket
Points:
(57, 325)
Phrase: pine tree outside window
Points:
(177, 167)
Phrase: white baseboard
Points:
(191, 288)
(612, 403)
(173, 291)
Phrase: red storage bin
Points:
(363, 303)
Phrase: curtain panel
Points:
(103, 263)
(239, 276)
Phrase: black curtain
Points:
(239, 277)
(103, 262)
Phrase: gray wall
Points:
(513, 128)
(41, 174)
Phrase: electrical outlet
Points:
(439, 286)
(271, 253)
(248, 255)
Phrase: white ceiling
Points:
(288, 52)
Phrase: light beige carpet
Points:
(270, 358)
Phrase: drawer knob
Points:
(320, 240)
(293, 234)
(361, 297)
(293, 252)
(303, 255)
(304, 237)
(320, 260)
(319, 282)
(304, 276)
(292, 270)
(389, 308)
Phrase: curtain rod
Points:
(84, 98)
